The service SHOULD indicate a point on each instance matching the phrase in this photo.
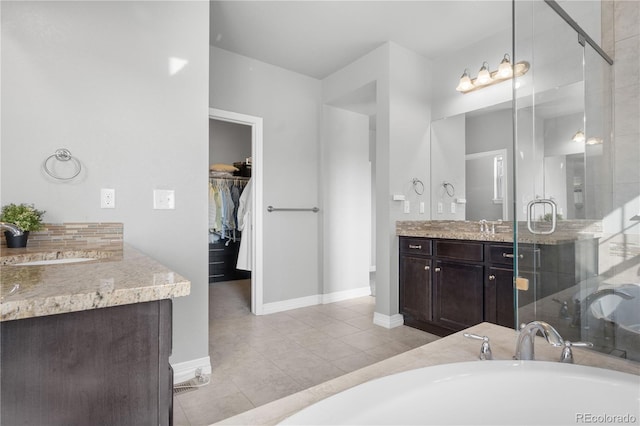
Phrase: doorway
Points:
(253, 228)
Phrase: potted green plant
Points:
(24, 216)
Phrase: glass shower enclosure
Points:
(572, 267)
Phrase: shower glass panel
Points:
(566, 226)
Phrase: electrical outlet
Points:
(440, 207)
(421, 207)
(107, 198)
(453, 207)
(199, 375)
(407, 207)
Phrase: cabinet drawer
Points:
(466, 250)
(419, 246)
(501, 254)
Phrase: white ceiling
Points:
(317, 38)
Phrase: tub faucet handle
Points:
(485, 349)
(567, 353)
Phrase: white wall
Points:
(289, 104)
(448, 138)
(408, 158)
(346, 212)
(401, 150)
(228, 142)
(94, 77)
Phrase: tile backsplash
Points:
(89, 234)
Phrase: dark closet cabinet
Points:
(223, 257)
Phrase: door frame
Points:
(257, 300)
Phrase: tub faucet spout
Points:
(11, 228)
(526, 339)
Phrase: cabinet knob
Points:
(438, 269)
(492, 277)
(427, 268)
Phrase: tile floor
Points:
(258, 359)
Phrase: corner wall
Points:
(96, 78)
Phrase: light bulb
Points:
(465, 83)
(484, 76)
(505, 70)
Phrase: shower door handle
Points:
(554, 209)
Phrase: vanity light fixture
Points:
(487, 77)
(484, 76)
(578, 136)
(594, 141)
(465, 83)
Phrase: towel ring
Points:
(62, 154)
(449, 189)
(417, 182)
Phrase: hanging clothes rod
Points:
(274, 209)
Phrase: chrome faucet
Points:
(526, 339)
(12, 228)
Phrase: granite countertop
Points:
(117, 277)
(450, 349)
(465, 230)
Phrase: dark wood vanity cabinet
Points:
(107, 366)
(449, 285)
(458, 278)
(415, 267)
(456, 282)
(499, 304)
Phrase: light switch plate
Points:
(164, 199)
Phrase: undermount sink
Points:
(482, 392)
(55, 261)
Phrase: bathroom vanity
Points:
(87, 342)
(453, 280)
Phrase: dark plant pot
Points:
(16, 242)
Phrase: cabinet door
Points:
(458, 294)
(104, 366)
(415, 287)
(498, 297)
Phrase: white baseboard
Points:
(183, 371)
(338, 296)
(388, 321)
(285, 305)
(318, 299)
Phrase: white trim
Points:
(388, 321)
(184, 371)
(257, 268)
(286, 305)
(346, 294)
(317, 299)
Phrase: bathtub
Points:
(484, 393)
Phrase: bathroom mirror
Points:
(472, 156)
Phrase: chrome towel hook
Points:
(63, 155)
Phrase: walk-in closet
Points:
(229, 201)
